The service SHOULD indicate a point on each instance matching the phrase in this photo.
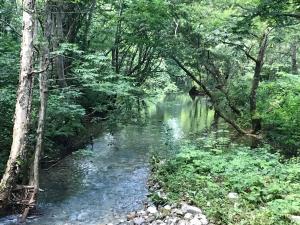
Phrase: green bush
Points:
(279, 104)
(267, 185)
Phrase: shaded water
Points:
(103, 184)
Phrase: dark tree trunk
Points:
(294, 58)
(116, 48)
(256, 122)
(88, 25)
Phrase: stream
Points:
(102, 184)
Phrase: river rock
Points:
(188, 216)
(204, 221)
(195, 221)
(190, 209)
(138, 221)
(131, 215)
(142, 213)
(152, 209)
(182, 214)
(178, 212)
(168, 207)
(182, 222)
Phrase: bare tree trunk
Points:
(34, 173)
(43, 88)
(256, 123)
(23, 105)
(294, 58)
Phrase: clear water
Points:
(103, 184)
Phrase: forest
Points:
(171, 112)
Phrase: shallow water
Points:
(103, 184)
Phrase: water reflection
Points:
(190, 115)
(101, 184)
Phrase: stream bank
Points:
(103, 184)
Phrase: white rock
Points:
(178, 211)
(188, 216)
(195, 221)
(295, 219)
(138, 221)
(190, 209)
(201, 216)
(233, 195)
(182, 222)
(204, 221)
(152, 209)
(167, 207)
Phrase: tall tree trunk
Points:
(34, 173)
(23, 105)
(88, 25)
(294, 58)
(43, 89)
(116, 47)
(256, 123)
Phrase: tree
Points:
(23, 106)
(43, 90)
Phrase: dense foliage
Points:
(106, 59)
(265, 187)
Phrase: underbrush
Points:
(266, 187)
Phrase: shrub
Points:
(267, 185)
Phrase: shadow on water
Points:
(101, 184)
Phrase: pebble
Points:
(190, 209)
(188, 216)
(183, 214)
(138, 221)
(152, 209)
(195, 221)
(233, 196)
(168, 207)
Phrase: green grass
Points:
(268, 186)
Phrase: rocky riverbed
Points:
(180, 214)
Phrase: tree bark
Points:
(294, 58)
(88, 23)
(43, 89)
(23, 105)
(116, 47)
(259, 61)
(34, 173)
